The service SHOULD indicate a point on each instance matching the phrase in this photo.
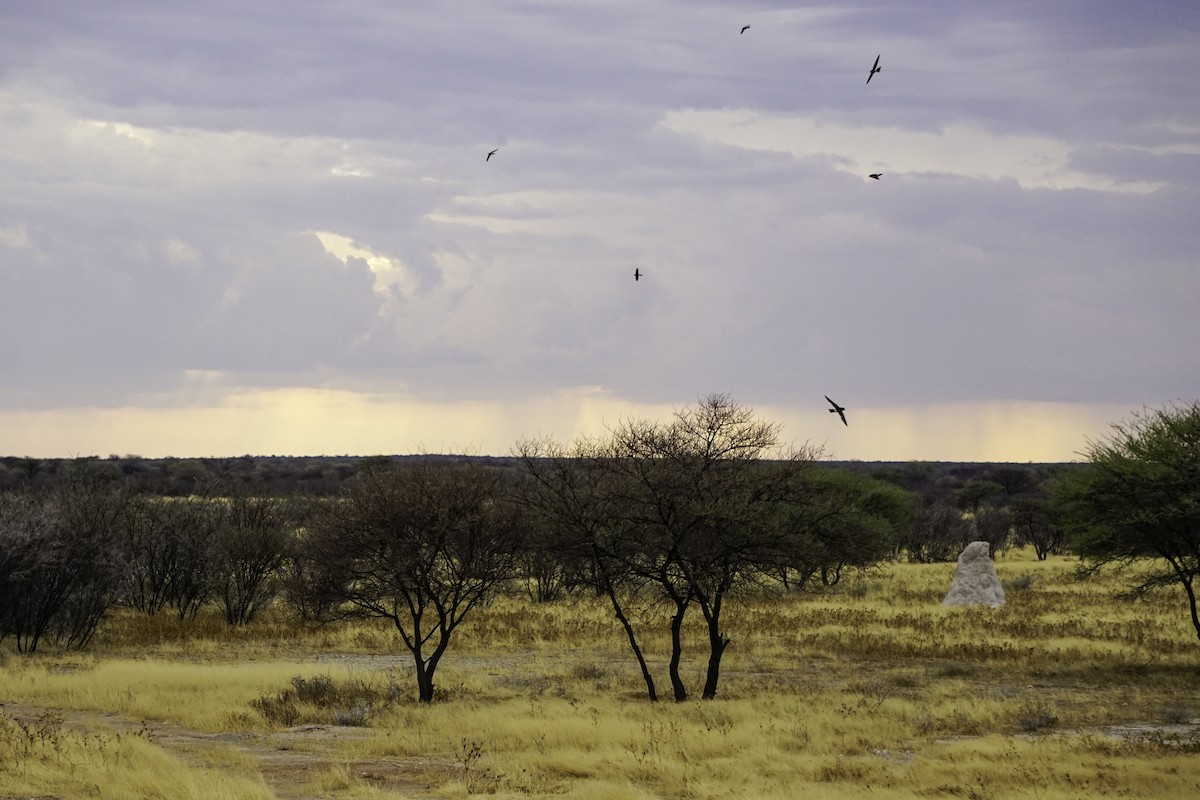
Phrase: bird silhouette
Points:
(874, 68)
(839, 410)
(637, 274)
(875, 175)
(489, 155)
(745, 28)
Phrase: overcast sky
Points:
(269, 227)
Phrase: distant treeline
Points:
(325, 475)
(953, 503)
(183, 477)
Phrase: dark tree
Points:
(1016, 481)
(975, 492)
(1137, 501)
(253, 541)
(29, 536)
(693, 512)
(191, 530)
(169, 546)
(699, 505)
(938, 532)
(60, 560)
(991, 524)
(420, 545)
(572, 498)
(1037, 524)
(92, 511)
(844, 521)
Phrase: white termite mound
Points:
(975, 582)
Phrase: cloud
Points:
(390, 273)
(200, 203)
(969, 151)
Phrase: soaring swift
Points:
(489, 155)
(875, 68)
(875, 175)
(839, 410)
(637, 274)
(745, 28)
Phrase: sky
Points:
(271, 228)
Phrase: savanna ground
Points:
(875, 690)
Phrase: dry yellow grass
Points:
(876, 690)
(45, 756)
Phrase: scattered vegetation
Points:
(1066, 691)
(182, 642)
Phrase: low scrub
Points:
(320, 699)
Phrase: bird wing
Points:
(843, 416)
(876, 64)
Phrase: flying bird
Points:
(875, 68)
(875, 175)
(745, 28)
(489, 155)
(637, 274)
(839, 410)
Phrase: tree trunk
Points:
(424, 682)
(426, 667)
(1187, 578)
(1191, 595)
(677, 652)
(718, 642)
(633, 644)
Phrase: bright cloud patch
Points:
(389, 272)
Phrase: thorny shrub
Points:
(353, 703)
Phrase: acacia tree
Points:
(699, 511)
(418, 545)
(60, 560)
(1137, 501)
(846, 521)
(1036, 522)
(570, 494)
(938, 532)
(253, 541)
(29, 531)
(170, 547)
(691, 512)
(92, 508)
